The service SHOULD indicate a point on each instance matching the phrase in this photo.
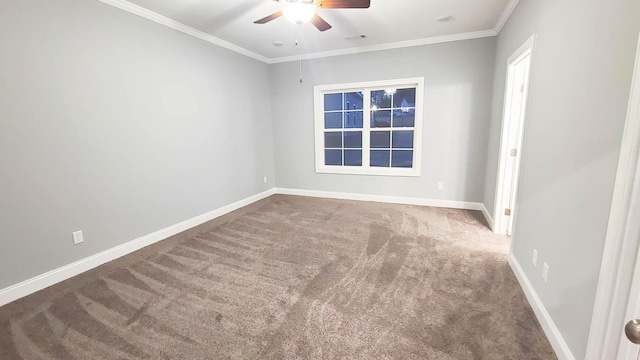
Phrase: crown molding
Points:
(505, 15)
(163, 20)
(388, 46)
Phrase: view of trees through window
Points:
(392, 114)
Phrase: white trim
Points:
(487, 216)
(163, 20)
(47, 279)
(508, 10)
(388, 46)
(467, 205)
(626, 349)
(617, 258)
(30, 286)
(548, 326)
(500, 222)
(378, 84)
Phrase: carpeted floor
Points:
(293, 278)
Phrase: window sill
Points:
(402, 172)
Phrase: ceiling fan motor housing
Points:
(309, 11)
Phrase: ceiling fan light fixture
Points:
(299, 13)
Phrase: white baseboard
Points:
(548, 326)
(52, 277)
(487, 216)
(467, 205)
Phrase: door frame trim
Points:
(499, 223)
(620, 247)
(633, 303)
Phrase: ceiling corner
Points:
(505, 15)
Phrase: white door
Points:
(627, 349)
(521, 80)
(516, 90)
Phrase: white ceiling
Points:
(386, 24)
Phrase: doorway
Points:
(513, 118)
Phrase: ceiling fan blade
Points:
(266, 19)
(319, 22)
(344, 4)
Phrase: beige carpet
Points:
(293, 278)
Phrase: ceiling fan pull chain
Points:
(299, 55)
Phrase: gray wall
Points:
(458, 84)
(581, 75)
(118, 126)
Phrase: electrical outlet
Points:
(440, 186)
(264, 180)
(534, 260)
(78, 237)
(545, 272)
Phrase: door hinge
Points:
(507, 212)
(513, 152)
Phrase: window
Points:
(371, 128)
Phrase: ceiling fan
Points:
(302, 11)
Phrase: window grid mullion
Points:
(366, 128)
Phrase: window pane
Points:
(333, 139)
(333, 120)
(402, 118)
(353, 139)
(403, 139)
(353, 157)
(402, 158)
(380, 139)
(404, 98)
(332, 102)
(380, 158)
(354, 100)
(333, 157)
(353, 119)
(380, 99)
(381, 118)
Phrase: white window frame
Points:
(366, 88)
